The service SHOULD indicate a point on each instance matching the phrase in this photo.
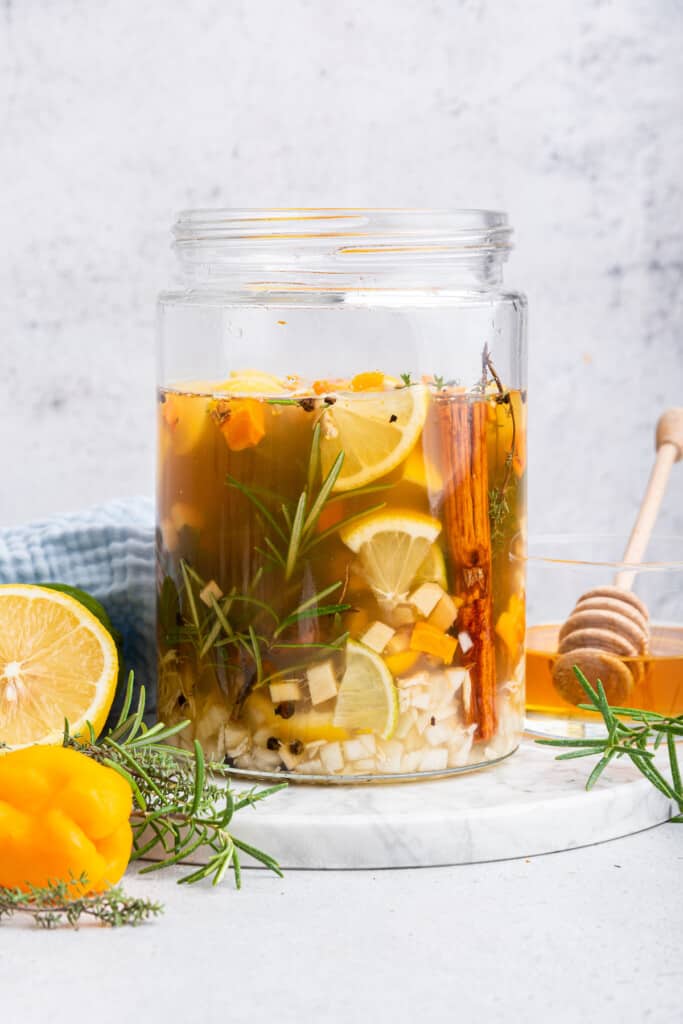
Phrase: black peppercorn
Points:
(393, 417)
(307, 404)
(329, 400)
(432, 720)
(296, 748)
(229, 761)
(285, 709)
(273, 743)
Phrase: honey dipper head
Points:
(607, 624)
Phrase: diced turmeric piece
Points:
(321, 387)
(245, 426)
(429, 640)
(371, 381)
(510, 625)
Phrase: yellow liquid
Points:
(210, 532)
(659, 674)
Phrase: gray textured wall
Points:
(567, 113)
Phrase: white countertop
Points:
(589, 934)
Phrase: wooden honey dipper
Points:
(610, 623)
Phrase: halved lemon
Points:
(57, 661)
(367, 698)
(375, 432)
(392, 548)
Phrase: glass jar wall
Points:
(342, 422)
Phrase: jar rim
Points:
(325, 246)
(574, 549)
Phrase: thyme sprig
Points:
(637, 741)
(180, 808)
(64, 903)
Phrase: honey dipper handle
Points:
(669, 450)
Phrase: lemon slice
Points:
(376, 432)
(57, 661)
(367, 698)
(392, 548)
(251, 382)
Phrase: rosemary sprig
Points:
(64, 903)
(628, 740)
(179, 807)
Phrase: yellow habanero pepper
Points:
(62, 815)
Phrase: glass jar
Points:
(342, 423)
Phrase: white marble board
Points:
(527, 805)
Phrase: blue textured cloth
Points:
(107, 551)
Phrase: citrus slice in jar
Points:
(433, 569)
(392, 548)
(376, 432)
(57, 662)
(367, 698)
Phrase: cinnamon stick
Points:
(462, 435)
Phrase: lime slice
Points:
(392, 548)
(367, 698)
(433, 569)
(376, 431)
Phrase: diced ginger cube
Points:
(354, 750)
(438, 733)
(322, 682)
(418, 679)
(332, 757)
(377, 636)
(434, 760)
(429, 640)
(405, 724)
(285, 690)
(410, 761)
(426, 598)
(445, 613)
(403, 615)
(368, 764)
(399, 642)
(369, 742)
(466, 642)
(456, 677)
(210, 590)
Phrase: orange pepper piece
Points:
(62, 815)
(371, 381)
(510, 625)
(430, 640)
(245, 425)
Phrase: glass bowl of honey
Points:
(622, 623)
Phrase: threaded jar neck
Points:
(339, 249)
